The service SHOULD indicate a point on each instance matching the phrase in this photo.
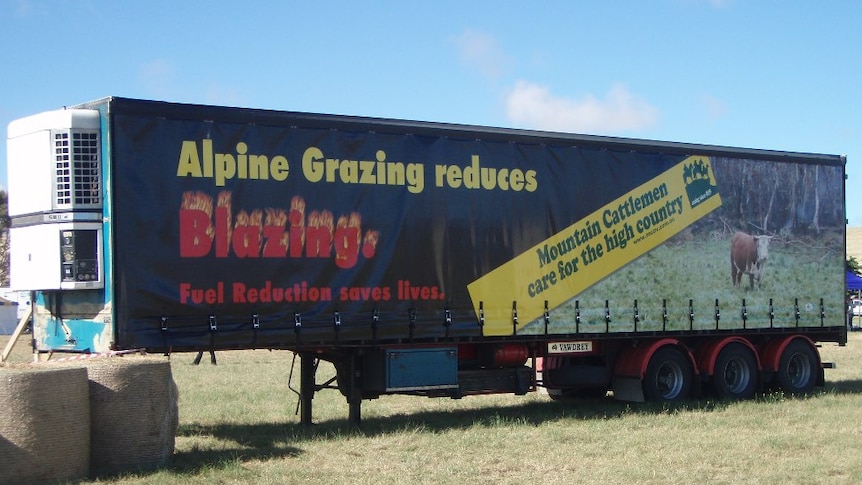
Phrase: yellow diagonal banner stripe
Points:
(592, 248)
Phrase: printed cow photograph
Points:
(748, 255)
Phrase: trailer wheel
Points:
(797, 368)
(735, 374)
(668, 376)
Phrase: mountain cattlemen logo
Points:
(699, 180)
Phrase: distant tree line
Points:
(853, 264)
(785, 198)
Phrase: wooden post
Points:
(17, 333)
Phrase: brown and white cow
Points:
(748, 255)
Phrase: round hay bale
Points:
(44, 424)
(133, 414)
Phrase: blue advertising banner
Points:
(288, 227)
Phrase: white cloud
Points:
(715, 107)
(223, 95)
(480, 51)
(157, 78)
(717, 4)
(531, 105)
(27, 8)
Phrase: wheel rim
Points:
(669, 380)
(737, 375)
(799, 370)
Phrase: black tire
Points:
(797, 368)
(668, 376)
(735, 375)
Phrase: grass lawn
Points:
(238, 425)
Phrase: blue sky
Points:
(756, 74)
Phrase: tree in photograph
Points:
(815, 220)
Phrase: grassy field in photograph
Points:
(238, 425)
(699, 272)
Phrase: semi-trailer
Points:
(428, 258)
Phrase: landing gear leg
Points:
(306, 386)
(354, 392)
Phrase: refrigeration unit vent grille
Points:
(77, 169)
